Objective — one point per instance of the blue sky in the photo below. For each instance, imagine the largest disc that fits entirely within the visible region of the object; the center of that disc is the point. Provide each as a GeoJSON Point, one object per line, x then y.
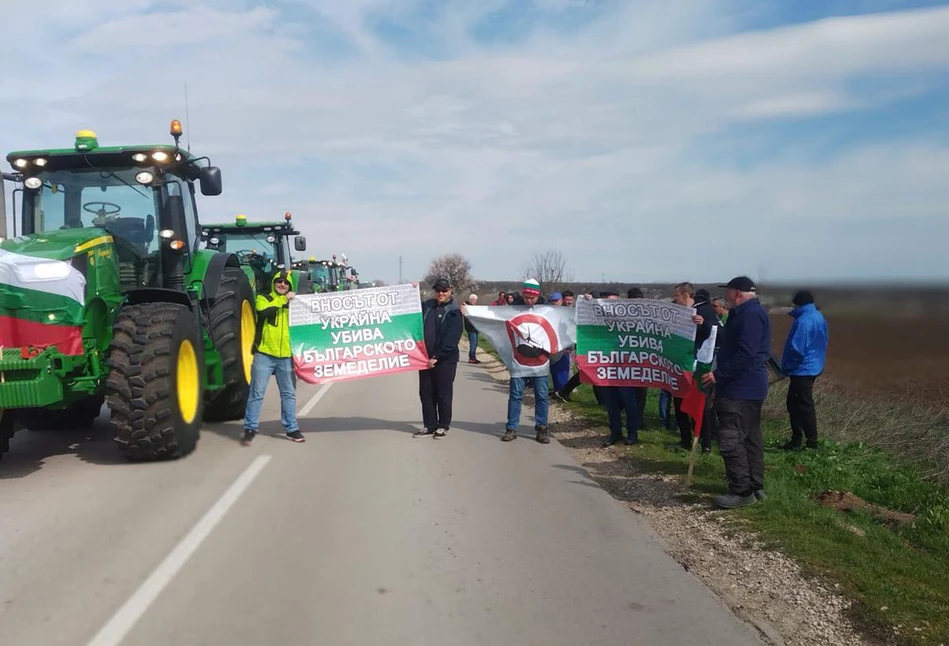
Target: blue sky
{"type": "Point", "coordinates": [647, 141]}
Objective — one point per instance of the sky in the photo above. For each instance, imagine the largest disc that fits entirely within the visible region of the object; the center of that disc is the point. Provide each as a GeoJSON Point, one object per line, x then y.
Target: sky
{"type": "Point", "coordinates": [803, 141]}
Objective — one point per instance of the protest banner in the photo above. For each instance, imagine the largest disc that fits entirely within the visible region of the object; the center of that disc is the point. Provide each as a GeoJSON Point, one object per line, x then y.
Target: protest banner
{"type": "Point", "coordinates": [340, 336]}
{"type": "Point", "coordinates": [636, 342]}
{"type": "Point", "coordinates": [527, 339]}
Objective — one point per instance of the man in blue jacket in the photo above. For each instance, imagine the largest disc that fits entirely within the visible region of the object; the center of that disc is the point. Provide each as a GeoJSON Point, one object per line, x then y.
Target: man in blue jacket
{"type": "Point", "coordinates": [442, 323]}
{"type": "Point", "coordinates": [741, 386]}
{"type": "Point", "coordinates": [805, 353]}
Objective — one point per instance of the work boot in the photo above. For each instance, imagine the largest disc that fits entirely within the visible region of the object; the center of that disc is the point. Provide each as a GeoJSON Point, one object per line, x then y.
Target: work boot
{"type": "Point", "coordinates": [249, 436]}
{"type": "Point", "coordinates": [731, 501]}
{"type": "Point", "coordinates": [542, 435]}
{"type": "Point", "coordinates": [761, 495]}
{"type": "Point", "coordinates": [509, 435]}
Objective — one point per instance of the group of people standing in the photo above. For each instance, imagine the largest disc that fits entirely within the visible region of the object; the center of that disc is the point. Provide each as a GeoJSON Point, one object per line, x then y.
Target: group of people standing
{"type": "Point", "coordinates": [736, 387]}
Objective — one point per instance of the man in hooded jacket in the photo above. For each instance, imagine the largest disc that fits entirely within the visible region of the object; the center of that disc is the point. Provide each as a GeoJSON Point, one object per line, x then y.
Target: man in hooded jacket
{"type": "Point", "coordinates": [443, 323]}
{"type": "Point", "coordinates": [805, 352]}
{"type": "Point", "coordinates": [272, 356]}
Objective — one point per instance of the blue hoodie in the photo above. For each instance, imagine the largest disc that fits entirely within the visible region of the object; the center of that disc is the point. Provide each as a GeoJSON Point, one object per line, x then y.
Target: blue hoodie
{"type": "Point", "coordinates": [805, 350]}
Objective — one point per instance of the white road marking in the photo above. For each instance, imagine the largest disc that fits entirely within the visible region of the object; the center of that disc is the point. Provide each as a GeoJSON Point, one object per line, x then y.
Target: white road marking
{"type": "Point", "coordinates": [307, 407]}
{"type": "Point", "coordinates": [124, 619]}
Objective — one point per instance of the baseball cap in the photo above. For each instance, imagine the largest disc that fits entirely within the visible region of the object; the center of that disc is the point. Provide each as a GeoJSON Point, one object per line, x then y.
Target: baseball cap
{"type": "Point", "coordinates": [441, 285]}
{"type": "Point", "coordinates": [556, 296]}
{"type": "Point", "coordinates": [741, 283]}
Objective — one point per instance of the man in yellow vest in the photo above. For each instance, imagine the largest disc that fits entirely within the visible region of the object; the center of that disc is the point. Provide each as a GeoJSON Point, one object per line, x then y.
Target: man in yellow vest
{"type": "Point", "coordinates": [272, 356]}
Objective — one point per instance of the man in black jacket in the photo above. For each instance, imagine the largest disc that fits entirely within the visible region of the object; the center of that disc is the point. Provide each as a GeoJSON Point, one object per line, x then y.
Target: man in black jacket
{"type": "Point", "coordinates": [443, 325]}
{"type": "Point", "coordinates": [741, 385]}
{"type": "Point", "coordinates": [705, 319]}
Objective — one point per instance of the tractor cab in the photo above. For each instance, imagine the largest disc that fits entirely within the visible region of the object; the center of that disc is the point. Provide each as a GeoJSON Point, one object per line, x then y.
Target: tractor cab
{"type": "Point", "coordinates": [263, 248]}
{"type": "Point", "coordinates": [326, 275]}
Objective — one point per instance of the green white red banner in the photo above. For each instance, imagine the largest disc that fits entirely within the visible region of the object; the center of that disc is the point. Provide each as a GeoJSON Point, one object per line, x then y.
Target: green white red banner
{"type": "Point", "coordinates": [340, 336]}
{"type": "Point", "coordinates": [636, 342]}
{"type": "Point", "coordinates": [41, 303]}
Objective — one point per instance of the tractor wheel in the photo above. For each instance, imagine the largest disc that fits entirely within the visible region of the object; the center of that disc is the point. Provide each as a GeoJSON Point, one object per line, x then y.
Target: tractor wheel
{"type": "Point", "coordinates": [156, 360]}
{"type": "Point", "coordinates": [233, 326]}
{"type": "Point", "coordinates": [7, 428]}
{"type": "Point", "coordinates": [79, 416]}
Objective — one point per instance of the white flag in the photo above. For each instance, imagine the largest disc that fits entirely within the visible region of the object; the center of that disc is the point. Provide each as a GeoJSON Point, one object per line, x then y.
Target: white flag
{"type": "Point", "coordinates": [526, 338]}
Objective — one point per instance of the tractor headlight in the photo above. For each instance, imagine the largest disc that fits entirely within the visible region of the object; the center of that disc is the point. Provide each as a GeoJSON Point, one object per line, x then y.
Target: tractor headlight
{"type": "Point", "coordinates": [160, 156]}
{"type": "Point", "coordinates": [139, 157]}
{"type": "Point", "coordinates": [214, 242]}
{"type": "Point", "coordinates": [144, 177]}
{"type": "Point", "coordinates": [33, 182]}
{"type": "Point", "coordinates": [44, 271]}
{"type": "Point", "coordinates": [166, 234]}
{"type": "Point", "coordinates": [39, 161]}
{"type": "Point", "coordinates": [271, 239]}
{"type": "Point", "coordinates": [21, 163]}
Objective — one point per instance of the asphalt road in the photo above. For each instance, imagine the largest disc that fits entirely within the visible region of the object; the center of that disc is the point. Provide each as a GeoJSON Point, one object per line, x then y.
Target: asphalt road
{"type": "Point", "coordinates": [362, 535]}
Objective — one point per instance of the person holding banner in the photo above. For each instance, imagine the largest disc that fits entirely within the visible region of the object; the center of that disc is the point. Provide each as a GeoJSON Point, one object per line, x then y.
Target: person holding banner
{"type": "Point", "coordinates": [272, 356]}
{"type": "Point", "coordinates": [443, 325]}
{"type": "Point", "coordinates": [530, 293]}
{"type": "Point", "coordinates": [705, 319]}
{"type": "Point", "coordinates": [741, 385]}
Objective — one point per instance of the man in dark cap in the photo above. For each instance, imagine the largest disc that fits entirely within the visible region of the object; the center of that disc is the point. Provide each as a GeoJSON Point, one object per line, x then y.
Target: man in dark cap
{"type": "Point", "coordinates": [741, 386]}
{"type": "Point", "coordinates": [805, 352]}
{"type": "Point", "coordinates": [443, 325]}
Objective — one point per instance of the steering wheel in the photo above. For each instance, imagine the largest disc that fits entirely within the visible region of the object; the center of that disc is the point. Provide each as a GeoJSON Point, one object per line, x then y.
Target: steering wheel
{"type": "Point", "coordinates": [244, 255]}
{"type": "Point", "coordinates": [102, 214]}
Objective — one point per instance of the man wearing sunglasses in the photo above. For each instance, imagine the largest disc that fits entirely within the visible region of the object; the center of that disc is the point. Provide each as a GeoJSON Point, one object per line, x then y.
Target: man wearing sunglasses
{"type": "Point", "coordinates": [443, 325]}
{"type": "Point", "coordinates": [272, 356]}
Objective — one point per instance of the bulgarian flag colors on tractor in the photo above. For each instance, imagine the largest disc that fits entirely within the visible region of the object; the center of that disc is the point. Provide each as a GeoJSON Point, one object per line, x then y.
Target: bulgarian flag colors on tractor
{"type": "Point", "coordinates": [41, 303]}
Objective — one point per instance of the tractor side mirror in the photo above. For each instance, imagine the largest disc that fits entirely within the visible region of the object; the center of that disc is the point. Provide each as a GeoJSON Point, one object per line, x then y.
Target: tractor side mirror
{"type": "Point", "coordinates": [211, 182]}
{"type": "Point", "coordinates": [299, 243]}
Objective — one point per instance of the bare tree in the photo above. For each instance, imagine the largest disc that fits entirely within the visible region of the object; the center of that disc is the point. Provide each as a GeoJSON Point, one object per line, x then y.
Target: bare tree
{"type": "Point", "coordinates": [549, 268]}
{"type": "Point", "coordinates": [456, 269]}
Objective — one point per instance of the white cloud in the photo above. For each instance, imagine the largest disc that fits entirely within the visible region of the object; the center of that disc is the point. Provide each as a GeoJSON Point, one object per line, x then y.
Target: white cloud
{"type": "Point", "coordinates": [614, 143]}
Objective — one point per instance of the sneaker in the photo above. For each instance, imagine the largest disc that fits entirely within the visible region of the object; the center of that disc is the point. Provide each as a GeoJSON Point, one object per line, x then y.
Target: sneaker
{"type": "Point", "coordinates": [509, 435]}
{"type": "Point", "coordinates": [440, 432]}
{"type": "Point", "coordinates": [249, 436]}
{"type": "Point", "coordinates": [542, 435]}
{"type": "Point", "coordinates": [296, 436]}
{"type": "Point", "coordinates": [732, 501]}
{"type": "Point", "coordinates": [562, 396]}
{"type": "Point", "coordinates": [761, 495]}
{"type": "Point", "coordinates": [423, 432]}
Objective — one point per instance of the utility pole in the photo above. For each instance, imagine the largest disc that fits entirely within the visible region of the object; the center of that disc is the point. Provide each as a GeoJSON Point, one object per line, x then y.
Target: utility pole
{"type": "Point", "coordinates": [400, 270]}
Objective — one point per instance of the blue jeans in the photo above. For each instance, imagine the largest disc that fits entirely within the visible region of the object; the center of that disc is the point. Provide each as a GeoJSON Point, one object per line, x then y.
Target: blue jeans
{"type": "Point", "coordinates": [516, 395]}
{"type": "Point", "coordinates": [618, 399]}
{"type": "Point", "coordinates": [260, 371]}
{"type": "Point", "coordinates": [473, 342]}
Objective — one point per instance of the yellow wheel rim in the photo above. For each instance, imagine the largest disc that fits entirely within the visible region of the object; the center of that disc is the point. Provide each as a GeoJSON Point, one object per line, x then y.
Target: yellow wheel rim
{"type": "Point", "coordinates": [247, 337]}
{"type": "Point", "coordinates": [188, 382]}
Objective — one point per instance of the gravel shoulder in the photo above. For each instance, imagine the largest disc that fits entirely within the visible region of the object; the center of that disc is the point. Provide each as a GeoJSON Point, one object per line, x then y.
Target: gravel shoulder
{"type": "Point", "coordinates": [761, 586]}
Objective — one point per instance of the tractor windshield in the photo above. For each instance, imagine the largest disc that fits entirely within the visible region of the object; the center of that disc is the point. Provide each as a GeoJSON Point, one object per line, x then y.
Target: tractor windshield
{"type": "Point", "coordinates": [320, 275]}
{"type": "Point", "coordinates": [246, 244]}
{"type": "Point", "coordinates": [110, 199]}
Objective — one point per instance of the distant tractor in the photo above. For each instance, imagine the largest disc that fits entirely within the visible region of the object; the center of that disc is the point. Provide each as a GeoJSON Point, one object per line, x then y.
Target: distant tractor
{"type": "Point", "coordinates": [263, 248]}
{"type": "Point", "coordinates": [325, 275]}
{"type": "Point", "coordinates": [105, 296]}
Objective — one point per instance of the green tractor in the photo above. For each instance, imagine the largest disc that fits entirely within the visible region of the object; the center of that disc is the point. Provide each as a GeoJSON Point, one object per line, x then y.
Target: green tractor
{"type": "Point", "coordinates": [106, 297]}
{"type": "Point", "coordinates": [263, 248]}
{"type": "Point", "coordinates": [323, 275]}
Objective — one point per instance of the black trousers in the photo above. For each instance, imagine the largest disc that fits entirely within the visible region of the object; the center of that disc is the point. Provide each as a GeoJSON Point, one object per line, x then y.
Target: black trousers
{"type": "Point", "coordinates": [741, 444]}
{"type": "Point", "coordinates": [801, 410]}
{"type": "Point", "coordinates": [573, 384]}
{"type": "Point", "coordinates": [641, 405]}
{"type": "Point", "coordinates": [436, 389]}
{"type": "Point", "coordinates": [685, 423]}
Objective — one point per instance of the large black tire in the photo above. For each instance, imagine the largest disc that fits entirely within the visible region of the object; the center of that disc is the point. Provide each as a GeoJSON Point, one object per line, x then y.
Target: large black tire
{"type": "Point", "coordinates": [7, 428]}
{"type": "Point", "coordinates": [154, 389]}
{"type": "Point", "coordinates": [233, 325]}
{"type": "Point", "coordinates": [79, 416]}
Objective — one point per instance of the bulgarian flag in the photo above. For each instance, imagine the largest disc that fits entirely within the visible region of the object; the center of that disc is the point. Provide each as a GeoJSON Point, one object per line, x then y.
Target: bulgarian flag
{"type": "Point", "coordinates": [41, 304]}
{"type": "Point", "coordinates": [693, 404]}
